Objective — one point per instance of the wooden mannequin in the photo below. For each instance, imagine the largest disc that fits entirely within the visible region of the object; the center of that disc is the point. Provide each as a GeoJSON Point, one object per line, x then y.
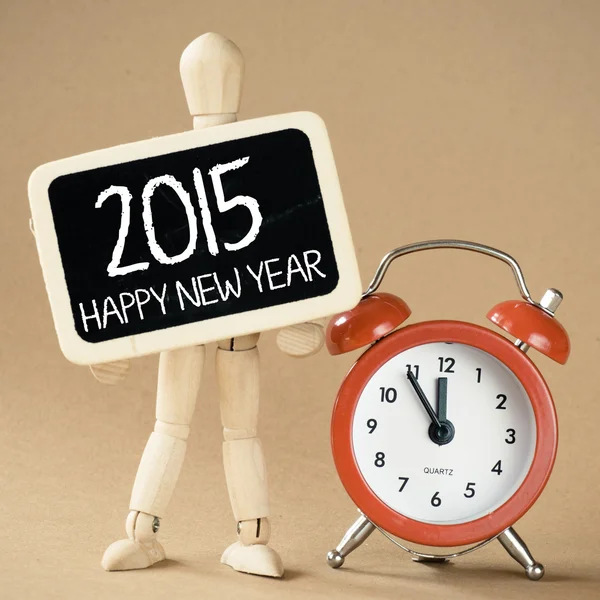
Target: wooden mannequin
{"type": "Point", "coordinates": [211, 70]}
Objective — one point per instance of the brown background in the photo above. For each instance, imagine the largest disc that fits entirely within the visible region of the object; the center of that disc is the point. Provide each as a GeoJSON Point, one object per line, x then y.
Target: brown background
{"type": "Point", "coordinates": [476, 120]}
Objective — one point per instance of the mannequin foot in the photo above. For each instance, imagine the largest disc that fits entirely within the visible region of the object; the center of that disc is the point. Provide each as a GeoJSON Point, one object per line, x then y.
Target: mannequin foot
{"type": "Point", "coordinates": [125, 555]}
{"type": "Point", "coordinates": [257, 559]}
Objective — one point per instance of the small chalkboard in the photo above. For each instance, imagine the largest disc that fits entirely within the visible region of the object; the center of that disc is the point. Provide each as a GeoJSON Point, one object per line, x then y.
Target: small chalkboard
{"type": "Point", "coordinates": [193, 237]}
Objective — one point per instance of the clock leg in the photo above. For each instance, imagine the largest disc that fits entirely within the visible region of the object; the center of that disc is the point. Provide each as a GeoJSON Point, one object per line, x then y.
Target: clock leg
{"type": "Point", "coordinates": [517, 548]}
{"type": "Point", "coordinates": [430, 559]}
{"type": "Point", "coordinates": [355, 536]}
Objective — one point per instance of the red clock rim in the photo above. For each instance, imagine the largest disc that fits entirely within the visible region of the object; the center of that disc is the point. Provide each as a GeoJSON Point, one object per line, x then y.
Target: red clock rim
{"type": "Point", "coordinates": [426, 533]}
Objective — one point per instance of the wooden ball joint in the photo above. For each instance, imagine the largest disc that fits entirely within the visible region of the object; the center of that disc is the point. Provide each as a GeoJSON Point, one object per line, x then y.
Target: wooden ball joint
{"type": "Point", "coordinates": [384, 413]}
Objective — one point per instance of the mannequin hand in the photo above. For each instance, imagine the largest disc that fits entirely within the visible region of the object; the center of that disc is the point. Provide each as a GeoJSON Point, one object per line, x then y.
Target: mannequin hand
{"type": "Point", "coordinates": [111, 373]}
{"type": "Point", "coordinates": [303, 339]}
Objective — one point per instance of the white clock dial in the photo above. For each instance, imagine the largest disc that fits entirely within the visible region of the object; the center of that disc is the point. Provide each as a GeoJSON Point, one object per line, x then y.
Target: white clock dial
{"type": "Point", "coordinates": [470, 476]}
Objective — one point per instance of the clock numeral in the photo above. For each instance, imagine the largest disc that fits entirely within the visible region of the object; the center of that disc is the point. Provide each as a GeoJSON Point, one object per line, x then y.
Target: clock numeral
{"type": "Point", "coordinates": [478, 369]}
{"type": "Point", "coordinates": [436, 500]}
{"type": "Point", "coordinates": [404, 481]}
{"type": "Point", "coordinates": [511, 436]}
{"type": "Point", "coordinates": [388, 394]}
{"type": "Point", "coordinates": [497, 468]}
{"type": "Point", "coordinates": [414, 369]}
{"type": "Point", "coordinates": [372, 425]}
{"type": "Point", "coordinates": [449, 362]}
{"type": "Point", "coordinates": [502, 399]}
{"type": "Point", "coordinates": [379, 459]}
{"type": "Point", "coordinates": [470, 491]}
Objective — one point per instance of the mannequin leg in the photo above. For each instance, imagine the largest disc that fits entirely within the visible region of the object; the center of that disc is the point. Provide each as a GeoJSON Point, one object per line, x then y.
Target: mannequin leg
{"type": "Point", "coordinates": [245, 472]}
{"type": "Point", "coordinates": [179, 375]}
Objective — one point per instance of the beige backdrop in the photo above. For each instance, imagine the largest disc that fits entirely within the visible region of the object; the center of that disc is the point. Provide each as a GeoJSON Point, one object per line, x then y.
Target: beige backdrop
{"type": "Point", "coordinates": [476, 120]}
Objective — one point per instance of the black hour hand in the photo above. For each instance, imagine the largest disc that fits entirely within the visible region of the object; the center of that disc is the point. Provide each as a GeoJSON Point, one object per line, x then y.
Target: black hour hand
{"type": "Point", "coordinates": [443, 434]}
{"type": "Point", "coordinates": [442, 398]}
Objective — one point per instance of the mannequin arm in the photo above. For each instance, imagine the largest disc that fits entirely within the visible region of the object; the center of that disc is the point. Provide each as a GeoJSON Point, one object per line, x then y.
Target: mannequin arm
{"type": "Point", "coordinates": [303, 339]}
{"type": "Point", "coordinates": [111, 373]}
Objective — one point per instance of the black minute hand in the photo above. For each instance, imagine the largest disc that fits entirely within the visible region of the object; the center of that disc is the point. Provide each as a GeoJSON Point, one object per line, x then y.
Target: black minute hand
{"type": "Point", "coordinates": [423, 399]}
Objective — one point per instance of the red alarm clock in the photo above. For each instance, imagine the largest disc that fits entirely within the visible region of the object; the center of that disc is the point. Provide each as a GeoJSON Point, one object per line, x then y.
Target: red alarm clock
{"type": "Point", "coordinates": [444, 433]}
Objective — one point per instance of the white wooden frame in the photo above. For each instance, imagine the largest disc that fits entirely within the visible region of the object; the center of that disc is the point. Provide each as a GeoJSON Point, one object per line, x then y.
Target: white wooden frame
{"type": "Point", "coordinates": [346, 294]}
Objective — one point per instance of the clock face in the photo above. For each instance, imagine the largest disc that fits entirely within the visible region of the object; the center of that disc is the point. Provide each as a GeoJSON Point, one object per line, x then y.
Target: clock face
{"type": "Point", "coordinates": [465, 467]}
